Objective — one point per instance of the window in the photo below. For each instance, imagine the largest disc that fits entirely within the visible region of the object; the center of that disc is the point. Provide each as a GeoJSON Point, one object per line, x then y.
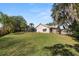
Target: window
{"type": "Point", "coordinates": [44, 30]}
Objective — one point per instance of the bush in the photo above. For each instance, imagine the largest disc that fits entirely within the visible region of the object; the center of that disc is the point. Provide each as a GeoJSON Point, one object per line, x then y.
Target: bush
{"type": "Point", "coordinates": [76, 34]}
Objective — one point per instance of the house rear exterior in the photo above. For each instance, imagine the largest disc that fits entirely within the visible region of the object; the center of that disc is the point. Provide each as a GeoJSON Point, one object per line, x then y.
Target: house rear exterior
{"type": "Point", "coordinates": [46, 29]}
{"type": "Point", "coordinates": [49, 29]}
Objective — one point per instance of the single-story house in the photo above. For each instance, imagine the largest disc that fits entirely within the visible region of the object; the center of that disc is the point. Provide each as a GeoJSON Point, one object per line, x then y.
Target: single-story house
{"type": "Point", "coordinates": [48, 29]}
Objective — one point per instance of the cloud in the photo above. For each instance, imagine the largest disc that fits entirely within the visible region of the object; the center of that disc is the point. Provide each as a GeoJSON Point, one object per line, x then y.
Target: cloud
{"type": "Point", "coordinates": [39, 15]}
{"type": "Point", "coordinates": [42, 17]}
{"type": "Point", "coordinates": [44, 14]}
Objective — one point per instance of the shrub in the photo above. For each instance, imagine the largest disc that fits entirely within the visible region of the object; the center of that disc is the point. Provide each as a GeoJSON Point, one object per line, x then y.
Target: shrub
{"type": "Point", "coordinates": [76, 34]}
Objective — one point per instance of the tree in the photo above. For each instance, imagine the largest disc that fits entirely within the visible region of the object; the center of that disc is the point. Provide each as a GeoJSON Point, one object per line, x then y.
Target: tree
{"type": "Point", "coordinates": [64, 14]}
{"type": "Point", "coordinates": [12, 23]}
{"type": "Point", "coordinates": [75, 29]}
{"type": "Point", "coordinates": [31, 27]}
{"type": "Point", "coordinates": [50, 24]}
{"type": "Point", "coordinates": [19, 23]}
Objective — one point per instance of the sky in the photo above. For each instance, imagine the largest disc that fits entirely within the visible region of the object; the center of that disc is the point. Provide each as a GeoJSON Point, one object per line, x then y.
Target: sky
{"type": "Point", "coordinates": [33, 13]}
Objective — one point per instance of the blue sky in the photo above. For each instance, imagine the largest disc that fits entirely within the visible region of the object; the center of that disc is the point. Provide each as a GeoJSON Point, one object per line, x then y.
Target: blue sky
{"type": "Point", "coordinates": [33, 13]}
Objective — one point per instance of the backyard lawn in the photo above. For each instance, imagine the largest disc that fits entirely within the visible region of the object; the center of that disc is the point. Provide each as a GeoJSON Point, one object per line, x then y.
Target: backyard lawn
{"type": "Point", "coordinates": [38, 44]}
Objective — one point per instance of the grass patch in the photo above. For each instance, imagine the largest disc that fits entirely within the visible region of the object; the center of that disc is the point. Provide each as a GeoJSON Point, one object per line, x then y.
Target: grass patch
{"type": "Point", "coordinates": [37, 44]}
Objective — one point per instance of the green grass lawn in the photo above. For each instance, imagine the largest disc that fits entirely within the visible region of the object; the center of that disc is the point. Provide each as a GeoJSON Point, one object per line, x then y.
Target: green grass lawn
{"type": "Point", "coordinates": [38, 44]}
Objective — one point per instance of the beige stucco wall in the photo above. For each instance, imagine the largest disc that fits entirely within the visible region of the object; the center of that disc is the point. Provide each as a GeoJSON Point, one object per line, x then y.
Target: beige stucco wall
{"type": "Point", "coordinates": [54, 31]}
{"type": "Point", "coordinates": [40, 29]}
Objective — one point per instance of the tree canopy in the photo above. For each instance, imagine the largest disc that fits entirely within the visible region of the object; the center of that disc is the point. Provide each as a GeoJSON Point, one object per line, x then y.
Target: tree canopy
{"type": "Point", "coordinates": [12, 23]}
{"type": "Point", "coordinates": [65, 14]}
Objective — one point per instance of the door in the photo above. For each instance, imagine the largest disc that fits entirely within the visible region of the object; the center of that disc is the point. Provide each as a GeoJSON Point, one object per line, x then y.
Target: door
{"type": "Point", "coordinates": [50, 30]}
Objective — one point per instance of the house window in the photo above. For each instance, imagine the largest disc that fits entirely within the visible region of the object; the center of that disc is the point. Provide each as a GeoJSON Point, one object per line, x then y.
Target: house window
{"type": "Point", "coordinates": [44, 30]}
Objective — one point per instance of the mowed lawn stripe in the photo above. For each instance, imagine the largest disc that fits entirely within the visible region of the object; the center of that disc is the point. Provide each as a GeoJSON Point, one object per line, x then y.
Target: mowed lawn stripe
{"type": "Point", "coordinates": [30, 43]}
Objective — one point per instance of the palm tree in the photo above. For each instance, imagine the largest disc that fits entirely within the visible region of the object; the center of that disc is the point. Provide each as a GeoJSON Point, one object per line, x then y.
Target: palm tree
{"type": "Point", "coordinates": [31, 25]}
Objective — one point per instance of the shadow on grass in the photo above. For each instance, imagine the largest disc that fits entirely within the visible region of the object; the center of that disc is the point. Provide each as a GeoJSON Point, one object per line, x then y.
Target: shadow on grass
{"type": "Point", "coordinates": [76, 38]}
{"type": "Point", "coordinates": [59, 49]}
{"type": "Point", "coordinates": [76, 47]}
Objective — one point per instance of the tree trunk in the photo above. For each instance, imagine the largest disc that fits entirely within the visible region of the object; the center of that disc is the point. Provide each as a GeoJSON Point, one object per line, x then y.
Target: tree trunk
{"type": "Point", "coordinates": [59, 30]}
